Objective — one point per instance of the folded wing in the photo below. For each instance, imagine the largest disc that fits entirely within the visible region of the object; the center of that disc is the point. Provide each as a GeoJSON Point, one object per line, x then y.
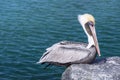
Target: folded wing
{"type": "Point", "coordinates": [67, 52]}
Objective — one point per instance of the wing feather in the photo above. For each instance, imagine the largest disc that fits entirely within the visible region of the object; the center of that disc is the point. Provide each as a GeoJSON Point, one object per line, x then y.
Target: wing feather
{"type": "Point", "coordinates": [65, 52]}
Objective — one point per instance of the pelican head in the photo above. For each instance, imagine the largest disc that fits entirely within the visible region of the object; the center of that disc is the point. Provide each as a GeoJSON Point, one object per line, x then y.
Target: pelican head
{"type": "Point", "coordinates": [88, 23]}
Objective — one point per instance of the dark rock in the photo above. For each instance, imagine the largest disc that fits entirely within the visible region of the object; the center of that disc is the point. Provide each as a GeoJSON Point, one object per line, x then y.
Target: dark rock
{"type": "Point", "coordinates": [105, 69]}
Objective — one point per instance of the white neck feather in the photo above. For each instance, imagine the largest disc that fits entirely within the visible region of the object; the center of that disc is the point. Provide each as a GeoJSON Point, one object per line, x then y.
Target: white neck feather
{"type": "Point", "coordinates": [90, 38]}
{"type": "Point", "coordinates": [90, 41]}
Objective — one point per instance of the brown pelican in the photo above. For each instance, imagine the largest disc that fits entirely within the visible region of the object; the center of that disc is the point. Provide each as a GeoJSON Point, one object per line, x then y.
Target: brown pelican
{"type": "Point", "coordinates": [67, 52]}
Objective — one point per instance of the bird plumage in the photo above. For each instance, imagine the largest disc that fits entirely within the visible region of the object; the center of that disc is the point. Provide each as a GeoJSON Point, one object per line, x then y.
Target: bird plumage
{"type": "Point", "coordinates": [67, 52]}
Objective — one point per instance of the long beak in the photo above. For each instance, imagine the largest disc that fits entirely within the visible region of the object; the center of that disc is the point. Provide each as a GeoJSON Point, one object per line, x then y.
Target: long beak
{"type": "Point", "coordinates": [95, 39]}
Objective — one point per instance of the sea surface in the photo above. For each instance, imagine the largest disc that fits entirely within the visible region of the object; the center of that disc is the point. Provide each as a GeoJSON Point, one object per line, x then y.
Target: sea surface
{"type": "Point", "coordinates": [28, 27]}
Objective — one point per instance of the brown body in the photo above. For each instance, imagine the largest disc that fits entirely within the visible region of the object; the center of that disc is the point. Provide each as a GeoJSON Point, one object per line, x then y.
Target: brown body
{"type": "Point", "coordinates": [66, 53]}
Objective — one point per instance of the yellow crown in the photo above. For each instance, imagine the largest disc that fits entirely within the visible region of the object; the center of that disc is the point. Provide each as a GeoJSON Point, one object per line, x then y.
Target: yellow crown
{"type": "Point", "coordinates": [89, 17]}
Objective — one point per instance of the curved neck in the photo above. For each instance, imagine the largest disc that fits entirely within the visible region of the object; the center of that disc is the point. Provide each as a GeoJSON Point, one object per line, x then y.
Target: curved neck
{"type": "Point", "coordinates": [90, 41]}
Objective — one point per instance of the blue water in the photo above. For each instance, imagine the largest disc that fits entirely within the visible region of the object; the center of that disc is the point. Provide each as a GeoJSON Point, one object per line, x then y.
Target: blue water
{"type": "Point", "coordinates": [28, 27]}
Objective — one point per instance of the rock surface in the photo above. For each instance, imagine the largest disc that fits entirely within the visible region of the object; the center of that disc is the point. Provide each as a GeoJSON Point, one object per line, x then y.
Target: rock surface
{"type": "Point", "coordinates": [105, 69]}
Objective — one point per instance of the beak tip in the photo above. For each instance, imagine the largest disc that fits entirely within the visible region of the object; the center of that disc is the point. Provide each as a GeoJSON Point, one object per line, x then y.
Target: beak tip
{"type": "Point", "coordinates": [99, 55]}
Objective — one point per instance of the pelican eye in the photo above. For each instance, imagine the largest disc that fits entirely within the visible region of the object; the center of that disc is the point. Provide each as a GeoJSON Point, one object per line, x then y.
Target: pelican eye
{"type": "Point", "coordinates": [90, 23]}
